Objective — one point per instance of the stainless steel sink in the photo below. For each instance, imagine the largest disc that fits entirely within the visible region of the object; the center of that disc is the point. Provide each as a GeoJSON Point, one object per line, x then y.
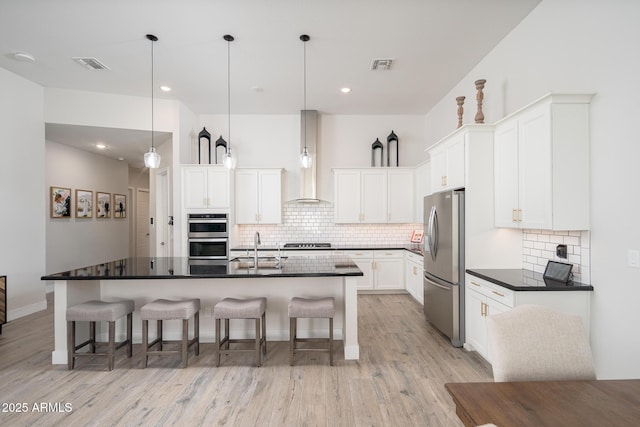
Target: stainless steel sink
{"type": "Point", "coordinates": [263, 262]}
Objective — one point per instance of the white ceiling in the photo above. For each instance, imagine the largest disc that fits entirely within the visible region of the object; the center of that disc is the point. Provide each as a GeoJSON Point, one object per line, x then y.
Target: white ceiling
{"type": "Point", "coordinates": [434, 44]}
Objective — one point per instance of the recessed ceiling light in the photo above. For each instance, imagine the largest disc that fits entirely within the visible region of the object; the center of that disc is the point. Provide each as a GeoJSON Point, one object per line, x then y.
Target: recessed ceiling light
{"type": "Point", "coordinates": [121, 158]}
{"type": "Point", "coordinates": [101, 146]}
{"type": "Point", "coordinates": [165, 88]}
{"type": "Point", "coordinates": [23, 57]}
{"type": "Point", "coordinates": [345, 90]}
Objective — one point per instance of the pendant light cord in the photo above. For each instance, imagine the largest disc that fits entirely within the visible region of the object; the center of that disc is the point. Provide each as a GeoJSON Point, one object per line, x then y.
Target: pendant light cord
{"type": "Point", "coordinates": [152, 42]}
{"type": "Point", "coordinates": [229, 89]}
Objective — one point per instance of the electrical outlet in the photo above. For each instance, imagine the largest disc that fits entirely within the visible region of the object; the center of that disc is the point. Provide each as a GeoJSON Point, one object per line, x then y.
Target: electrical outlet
{"type": "Point", "coordinates": [633, 258]}
{"type": "Point", "coordinates": [561, 251]}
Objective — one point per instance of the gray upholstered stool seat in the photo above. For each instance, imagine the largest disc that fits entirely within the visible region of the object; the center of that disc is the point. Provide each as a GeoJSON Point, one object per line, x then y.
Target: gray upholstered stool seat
{"type": "Point", "coordinates": [98, 311]}
{"type": "Point", "coordinates": [162, 309]}
{"type": "Point", "coordinates": [233, 308]}
{"type": "Point", "coordinates": [310, 308]}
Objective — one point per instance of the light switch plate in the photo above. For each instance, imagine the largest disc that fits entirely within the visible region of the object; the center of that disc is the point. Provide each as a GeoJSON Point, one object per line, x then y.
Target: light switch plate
{"type": "Point", "coordinates": [634, 258]}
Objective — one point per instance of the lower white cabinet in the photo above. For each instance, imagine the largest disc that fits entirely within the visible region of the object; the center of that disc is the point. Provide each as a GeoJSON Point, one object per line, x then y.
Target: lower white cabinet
{"type": "Point", "coordinates": [483, 298]}
{"type": "Point", "coordinates": [383, 269]}
{"type": "Point", "coordinates": [413, 275]}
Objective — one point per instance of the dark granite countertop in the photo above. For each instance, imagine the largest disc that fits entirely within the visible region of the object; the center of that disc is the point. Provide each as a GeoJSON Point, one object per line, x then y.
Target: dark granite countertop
{"type": "Point", "coordinates": [184, 268]}
{"type": "Point", "coordinates": [525, 280]}
{"type": "Point", "coordinates": [414, 248]}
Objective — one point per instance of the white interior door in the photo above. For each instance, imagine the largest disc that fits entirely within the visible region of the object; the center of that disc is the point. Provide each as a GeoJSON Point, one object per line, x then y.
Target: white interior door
{"type": "Point", "coordinates": [142, 223]}
{"type": "Point", "coordinates": [162, 214]}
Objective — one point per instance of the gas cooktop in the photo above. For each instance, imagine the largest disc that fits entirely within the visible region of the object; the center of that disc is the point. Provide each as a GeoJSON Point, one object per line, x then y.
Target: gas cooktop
{"type": "Point", "coordinates": [307, 245]}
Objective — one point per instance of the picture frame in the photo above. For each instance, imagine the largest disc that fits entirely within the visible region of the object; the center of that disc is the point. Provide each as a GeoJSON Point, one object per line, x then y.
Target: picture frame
{"type": "Point", "coordinates": [119, 206]}
{"type": "Point", "coordinates": [60, 202]}
{"type": "Point", "coordinates": [84, 204]}
{"type": "Point", "coordinates": [103, 205]}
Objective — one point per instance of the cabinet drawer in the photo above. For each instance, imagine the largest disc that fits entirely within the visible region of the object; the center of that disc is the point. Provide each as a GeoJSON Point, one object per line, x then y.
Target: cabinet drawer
{"type": "Point", "coordinates": [411, 257]}
{"type": "Point", "coordinates": [388, 254]}
{"type": "Point", "coordinates": [359, 254]}
{"type": "Point", "coordinates": [491, 290]}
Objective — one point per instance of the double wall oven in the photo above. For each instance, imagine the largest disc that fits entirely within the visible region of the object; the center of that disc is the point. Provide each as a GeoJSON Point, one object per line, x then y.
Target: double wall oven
{"type": "Point", "coordinates": [208, 235]}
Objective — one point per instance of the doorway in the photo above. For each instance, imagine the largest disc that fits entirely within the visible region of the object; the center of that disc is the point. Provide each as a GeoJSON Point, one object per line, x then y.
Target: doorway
{"type": "Point", "coordinates": [142, 223]}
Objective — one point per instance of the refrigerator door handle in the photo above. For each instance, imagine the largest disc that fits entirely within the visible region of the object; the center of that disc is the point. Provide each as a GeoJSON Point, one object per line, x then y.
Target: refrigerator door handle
{"type": "Point", "coordinates": [432, 232]}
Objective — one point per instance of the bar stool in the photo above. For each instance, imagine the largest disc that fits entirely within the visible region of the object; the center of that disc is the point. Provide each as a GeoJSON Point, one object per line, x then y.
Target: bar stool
{"type": "Point", "coordinates": [232, 308]}
{"type": "Point", "coordinates": [98, 311]}
{"type": "Point", "coordinates": [310, 308]}
{"type": "Point", "coordinates": [162, 309]}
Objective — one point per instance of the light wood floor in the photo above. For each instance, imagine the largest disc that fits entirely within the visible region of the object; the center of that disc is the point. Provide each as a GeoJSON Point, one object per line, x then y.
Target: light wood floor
{"type": "Point", "coordinates": [398, 381]}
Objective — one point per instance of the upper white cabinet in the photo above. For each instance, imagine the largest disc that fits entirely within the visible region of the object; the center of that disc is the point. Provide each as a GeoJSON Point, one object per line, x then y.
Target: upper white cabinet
{"type": "Point", "coordinates": [258, 196]}
{"type": "Point", "coordinates": [400, 195]}
{"type": "Point", "coordinates": [205, 187]}
{"type": "Point", "coordinates": [373, 195]}
{"type": "Point", "coordinates": [447, 163]}
{"type": "Point", "coordinates": [542, 165]}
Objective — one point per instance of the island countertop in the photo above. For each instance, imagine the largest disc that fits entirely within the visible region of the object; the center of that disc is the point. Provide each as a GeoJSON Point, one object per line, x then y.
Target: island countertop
{"type": "Point", "coordinates": [184, 268]}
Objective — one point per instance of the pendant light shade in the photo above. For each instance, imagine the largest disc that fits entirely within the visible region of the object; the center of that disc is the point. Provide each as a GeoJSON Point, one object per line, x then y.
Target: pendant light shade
{"type": "Point", "coordinates": [152, 158]}
{"type": "Point", "coordinates": [306, 160]}
{"type": "Point", "coordinates": [229, 161]}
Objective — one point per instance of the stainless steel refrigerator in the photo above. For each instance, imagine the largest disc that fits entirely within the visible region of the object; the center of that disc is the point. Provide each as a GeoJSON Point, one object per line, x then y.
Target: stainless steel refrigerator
{"type": "Point", "coordinates": [444, 263]}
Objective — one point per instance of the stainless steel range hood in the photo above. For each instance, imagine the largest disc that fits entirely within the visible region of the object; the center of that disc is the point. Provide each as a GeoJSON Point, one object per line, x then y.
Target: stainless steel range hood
{"type": "Point", "coordinates": [308, 118]}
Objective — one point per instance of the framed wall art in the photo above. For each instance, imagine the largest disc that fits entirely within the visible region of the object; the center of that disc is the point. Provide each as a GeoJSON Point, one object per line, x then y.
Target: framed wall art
{"type": "Point", "coordinates": [103, 205]}
{"type": "Point", "coordinates": [119, 206]}
{"type": "Point", "coordinates": [60, 202]}
{"type": "Point", "coordinates": [84, 204]}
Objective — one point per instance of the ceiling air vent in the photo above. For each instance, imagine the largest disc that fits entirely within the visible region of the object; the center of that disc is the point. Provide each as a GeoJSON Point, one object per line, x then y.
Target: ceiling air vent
{"type": "Point", "coordinates": [90, 63]}
{"type": "Point", "coordinates": [381, 64]}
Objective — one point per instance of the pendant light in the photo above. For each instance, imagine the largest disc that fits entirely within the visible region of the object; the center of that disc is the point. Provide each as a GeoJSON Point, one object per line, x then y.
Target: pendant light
{"type": "Point", "coordinates": [229, 161]}
{"type": "Point", "coordinates": [305, 157]}
{"type": "Point", "coordinates": [152, 158]}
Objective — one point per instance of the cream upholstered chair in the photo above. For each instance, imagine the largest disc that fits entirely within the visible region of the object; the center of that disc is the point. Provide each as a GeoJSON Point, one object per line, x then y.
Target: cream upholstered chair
{"type": "Point", "coordinates": [535, 343]}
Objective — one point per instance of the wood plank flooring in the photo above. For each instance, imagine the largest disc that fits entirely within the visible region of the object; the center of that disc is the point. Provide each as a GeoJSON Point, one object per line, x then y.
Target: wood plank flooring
{"type": "Point", "coordinates": [398, 381]}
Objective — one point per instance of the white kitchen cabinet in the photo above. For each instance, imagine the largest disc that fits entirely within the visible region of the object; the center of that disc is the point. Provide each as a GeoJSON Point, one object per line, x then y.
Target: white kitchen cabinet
{"type": "Point", "coordinates": [388, 270]}
{"type": "Point", "coordinates": [360, 195]}
{"type": "Point", "coordinates": [364, 261]}
{"type": "Point", "coordinates": [205, 187]}
{"type": "Point", "coordinates": [542, 165]}
{"type": "Point", "coordinates": [400, 195]}
{"type": "Point", "coordinates": [258, 196]}
{"type": "Point", "coordinates": [447, 163]}
{"type": "Point", "coordinates": [373, 195]}
{"type": "Point", "coordinates": [483, 298]}
{"type": "Point", "coordinates": [413, 275]}
{"type": "Point", "coordinates": [383, 269]}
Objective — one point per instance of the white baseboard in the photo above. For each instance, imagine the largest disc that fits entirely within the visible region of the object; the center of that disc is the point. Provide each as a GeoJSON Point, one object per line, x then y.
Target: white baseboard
{"type": "Point", "coordinates": [26, 310]}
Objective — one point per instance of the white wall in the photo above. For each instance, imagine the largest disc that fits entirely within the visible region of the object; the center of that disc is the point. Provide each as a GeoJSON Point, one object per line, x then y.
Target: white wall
{"type": "Point", "coordinates": [343, 141]}
{"type": "Point", "coordinates": [581, 46]}
{"type": "Point", "coordinates": [22, 218]}
{"type": "Point", "coordinates": [78, 242]}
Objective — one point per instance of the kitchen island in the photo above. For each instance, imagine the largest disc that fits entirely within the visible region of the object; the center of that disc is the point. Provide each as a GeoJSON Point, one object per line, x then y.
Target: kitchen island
{"type": "Point", "coordinates": [146, 279]}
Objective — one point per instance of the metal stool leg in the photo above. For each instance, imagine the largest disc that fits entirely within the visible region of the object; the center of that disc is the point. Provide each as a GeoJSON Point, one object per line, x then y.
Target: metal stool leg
{"type": "Point", "coordinates": [258, 341]}
{"type": "Point", "coordinates": [264, 333]}
{"type": "Point", "coordinates": [196, 331]}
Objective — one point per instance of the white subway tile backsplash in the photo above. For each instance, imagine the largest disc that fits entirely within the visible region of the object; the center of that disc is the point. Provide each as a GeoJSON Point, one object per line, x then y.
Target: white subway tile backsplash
{"type": "Point", "coordinates": [539, 247]}
{"type": "Point", "coordinates": [315, 223]}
